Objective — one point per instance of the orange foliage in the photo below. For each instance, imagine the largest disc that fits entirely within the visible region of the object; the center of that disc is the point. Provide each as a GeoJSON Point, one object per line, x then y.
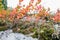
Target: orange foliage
{"type": "Point", "coordinates": [20, 0]}
{"type": "Point", "coordinates": [4, 12]}
{"type": "Point", "coordinates": [0, 15]}
{"type": "Point", "coordinates": [39, 1]}
{"type": "Point", "coordinates": [43, 13]}
{"type": "Point", "coordinates": [23, 11]}
{"type": "Point", "coordinates": [32, 1]}
{"type": "Point", "coordinates": [56, 17]}
{"type": "Point", "coordinates": [20, 16]}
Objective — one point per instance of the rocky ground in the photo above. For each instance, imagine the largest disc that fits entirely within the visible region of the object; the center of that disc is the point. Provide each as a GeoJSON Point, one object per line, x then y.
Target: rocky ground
{"type": "Point", "coordinates": [9, 35]}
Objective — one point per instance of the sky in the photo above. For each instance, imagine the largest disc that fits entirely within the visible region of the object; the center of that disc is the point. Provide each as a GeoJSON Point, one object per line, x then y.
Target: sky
{"type": "Point", "coordinates": [52, 4]}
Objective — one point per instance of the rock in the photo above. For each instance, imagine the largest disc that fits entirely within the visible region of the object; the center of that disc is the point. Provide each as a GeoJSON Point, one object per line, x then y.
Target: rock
{"type": "Point", "coordinates": [9, 35]}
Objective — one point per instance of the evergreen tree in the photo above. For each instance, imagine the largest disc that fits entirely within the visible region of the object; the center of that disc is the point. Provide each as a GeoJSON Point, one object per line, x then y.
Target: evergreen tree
{"type": "Point", "coordinates": [3, 4]}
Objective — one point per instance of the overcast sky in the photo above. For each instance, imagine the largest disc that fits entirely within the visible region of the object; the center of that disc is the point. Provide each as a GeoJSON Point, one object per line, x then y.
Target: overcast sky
{"type": "Point", "coordinates": [52, 4]}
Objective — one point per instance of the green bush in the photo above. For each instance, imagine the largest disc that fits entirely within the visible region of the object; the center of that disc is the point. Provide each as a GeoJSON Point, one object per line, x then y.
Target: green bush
{"type": "Point", "coordinates": [3, 28]}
